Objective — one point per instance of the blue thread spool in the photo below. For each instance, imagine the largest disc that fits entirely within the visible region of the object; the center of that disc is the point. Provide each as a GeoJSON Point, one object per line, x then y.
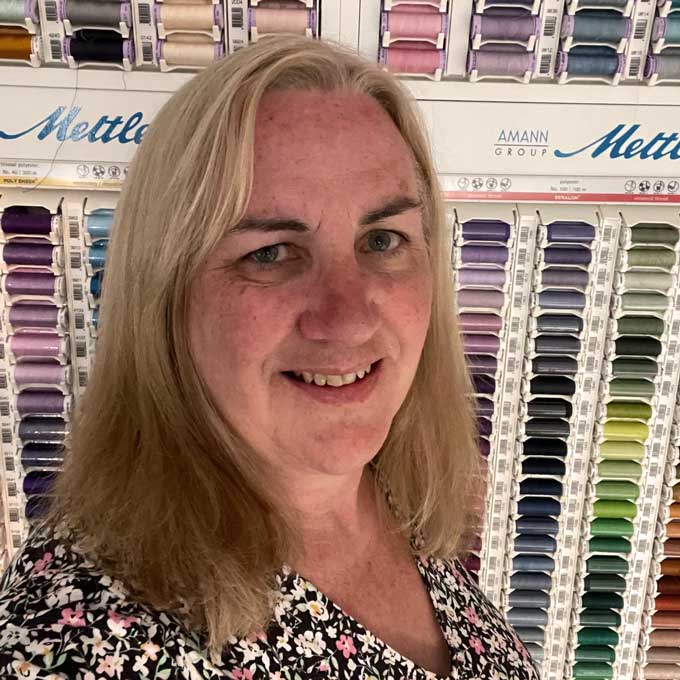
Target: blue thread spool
{"type": "Point", "coordinates": [668, 29]}
{"type": "Point", "coordinates": [589, 62]}
{"type": "Point", "coordinates": [665, 66]}
{"type": "Point", "coordinates": [99, 223]}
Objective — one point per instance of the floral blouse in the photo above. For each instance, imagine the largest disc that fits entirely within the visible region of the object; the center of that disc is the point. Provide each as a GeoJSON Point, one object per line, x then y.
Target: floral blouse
{"type": "Point", "coordinates": [61, 618]}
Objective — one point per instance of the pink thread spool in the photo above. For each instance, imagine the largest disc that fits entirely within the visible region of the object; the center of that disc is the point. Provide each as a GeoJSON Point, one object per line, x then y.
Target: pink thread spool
{"type": "Point", "coordinates": [428, 26]}
{"type": "Point", "coordinates": [267, 20]}
{"type": "Point", "coordinates": [43, 374]}
{"type": "Point", "coordinates": [30, 346]}
{"type": "Point", "coordinates": [412, 60]}
{"type": "Point", "coordinates": [189, 17]}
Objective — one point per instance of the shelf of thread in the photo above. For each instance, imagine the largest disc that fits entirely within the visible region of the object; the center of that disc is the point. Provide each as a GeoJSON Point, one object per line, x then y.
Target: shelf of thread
{"type": "Point", "coordinates": [89, 229]}
{"type": "Point", "coordinates": [562, 281]}
{"type": "Point", "coordinates": [663, 61]}
{"type": "Point", "coordinates": [182, 35]}
{"type": "Point", "coordinates": [261, 18]}
{"type": "Point", "coordinates": [35, 383]}
{"type": "Point", "coordinates": [413, 38]}
{"type": "Point", "coordinates": [481, 258]}
{"type": "Point", "coordinates": [659, 652]}
{"type": "Point", "coordinates": [627, 414]}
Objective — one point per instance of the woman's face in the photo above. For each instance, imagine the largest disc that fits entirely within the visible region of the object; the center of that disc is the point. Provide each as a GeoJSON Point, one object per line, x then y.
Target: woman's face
{"type": "Point", "coordinates": [327, 274]}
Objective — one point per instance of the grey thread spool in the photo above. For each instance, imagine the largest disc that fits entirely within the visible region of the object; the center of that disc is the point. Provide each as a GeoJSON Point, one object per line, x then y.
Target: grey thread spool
{"type": "Point", "coordinates": [16, 11]}
{"type": "Point", "coordinates": [595, 26]}
{"type": "Point", "coordinates": [666, 66]}
{"type": "Point", "coordinates": [90, 13]}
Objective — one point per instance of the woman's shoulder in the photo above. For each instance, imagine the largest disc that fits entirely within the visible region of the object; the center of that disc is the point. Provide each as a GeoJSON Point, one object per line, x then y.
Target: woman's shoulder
{"type": "Point", "coordinates": [475, 625]}
{"type": "Point", "coordinates": [62, 617]}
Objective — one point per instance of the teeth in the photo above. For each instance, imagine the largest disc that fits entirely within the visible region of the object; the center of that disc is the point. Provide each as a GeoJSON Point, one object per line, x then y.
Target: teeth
{"type": "Point", "coordinates": [332, 380]}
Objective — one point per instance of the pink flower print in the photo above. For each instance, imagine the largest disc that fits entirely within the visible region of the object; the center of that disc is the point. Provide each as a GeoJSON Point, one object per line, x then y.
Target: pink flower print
{"type": "Point", "coordinates": [470, 613]}
{"type": "Point", "coordinates": [346, 645]}
{"type": "Point", "coordinates": [477, 645]}
{"type": "Point", "coordinates": [72, 617]}
{"type": "Point", "coordinates": [123, 621]}
{"type": "Point", "coordinates": [242, 674]}
{"type": "Point", "coordinates": [424, 560]}
{"type": "Point", "coordinates": [42, 563]}
{"type": "Point", "coordinates": [324, 667]}
{"type": "Point", "coordinates": [111, 665]}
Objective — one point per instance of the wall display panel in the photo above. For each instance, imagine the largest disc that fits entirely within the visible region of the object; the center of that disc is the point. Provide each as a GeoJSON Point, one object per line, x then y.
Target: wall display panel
{"type": "Point", "coordinates": [567, 294]}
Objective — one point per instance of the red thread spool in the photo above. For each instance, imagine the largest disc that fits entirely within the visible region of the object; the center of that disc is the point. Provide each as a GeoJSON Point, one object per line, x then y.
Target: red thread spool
{"type": "Point", "coordinates": [412, 60]}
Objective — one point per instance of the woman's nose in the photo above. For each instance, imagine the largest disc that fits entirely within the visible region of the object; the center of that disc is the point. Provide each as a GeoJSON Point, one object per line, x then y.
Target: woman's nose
{"type": "Point", "coordinates": [340, 306]}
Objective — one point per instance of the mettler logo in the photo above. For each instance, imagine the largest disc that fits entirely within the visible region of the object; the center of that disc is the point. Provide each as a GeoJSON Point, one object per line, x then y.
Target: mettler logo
{"type": "Point", "coordinates": [521, 142]}
{"type": "Point", "coordinates": [65, 127]}
{"type": "Point", "coordinates": [621, 142]}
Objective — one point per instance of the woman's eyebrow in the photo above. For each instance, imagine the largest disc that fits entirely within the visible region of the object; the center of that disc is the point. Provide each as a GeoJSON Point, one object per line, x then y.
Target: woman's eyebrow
{"type": "Point", "coordinates": [393, 207]}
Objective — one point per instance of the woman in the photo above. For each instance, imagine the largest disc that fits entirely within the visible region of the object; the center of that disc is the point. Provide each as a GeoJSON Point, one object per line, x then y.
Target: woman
{"type": "Point", "coordinates": [271, 474]}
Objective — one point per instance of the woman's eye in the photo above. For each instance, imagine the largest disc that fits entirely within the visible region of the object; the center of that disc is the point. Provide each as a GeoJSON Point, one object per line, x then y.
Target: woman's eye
{"type": "Point", "coordinates": [381, 240]}
{"type": "Point", "coordinates": [266, 255]}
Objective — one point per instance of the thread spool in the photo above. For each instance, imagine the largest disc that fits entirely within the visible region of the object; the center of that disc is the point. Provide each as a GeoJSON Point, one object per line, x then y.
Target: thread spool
{"type": "Point", "coordinates": [43, 401]}
{"type": "Point", "coordinates": [16, 43]}
{"type": "Point", "coordinates": [404, 59]}
{"type": "Point", "coordinates": [189, 17]}
{"type": "Point", "coordinates": [38, 483]}
{"type": "Point", "coordinates": [194, 38]}
{"type": "Point", "coordinates": [96, 285]}
{"type": "Point", "coordinates": [503, 27]}
{"type": "Point", "coordinates": [30, 254]}
{"type": "Point", "coordinates": [104, 14]}
{"type": "Point", "coordinates": [99, 222]}
{"type": "Point", "coordinates": [501, 63]}
{"type": "Point", "coordinates": [90, 45]}
{"type": "Point", "coordinates": [17, 11]}
{"type": "Point", "coordinates": [50, 375]}
{"type": "Point", "coordinates": [36, 316]}
{"type": "Point", "coordinates": [667, 28]}
{"type": "Point", "coordinates": [41, 456]}
{"type": "Point", "coordinates": [596, 26]}
{"type": "Point", "coordinates": [619, 4]}
{"type": "Point", "coordinates": [295, 21]}
{"type": "Point", "coordinates": [414, 25]}
{"type": "Point", "coordinates": [589, 63]}
{"type": "Point", "coordinates": [37, 284]}
{"type": "Point", "coordinates": [22, 220]}
{"type": "Point", "coordinates": [666, 67]}
{"type": "Point", "coordinates": [48, 430]}
{"type": "Point", "coordinates": [38, 345]}
{"type": "Point", "coordinates": [187, 2]}
{"type": "Point", "coordinates": [189, 53]}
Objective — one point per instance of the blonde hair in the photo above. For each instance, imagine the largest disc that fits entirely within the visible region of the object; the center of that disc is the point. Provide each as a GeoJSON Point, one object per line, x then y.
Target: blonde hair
{"type": "Point", "coordinates": [166, 495]}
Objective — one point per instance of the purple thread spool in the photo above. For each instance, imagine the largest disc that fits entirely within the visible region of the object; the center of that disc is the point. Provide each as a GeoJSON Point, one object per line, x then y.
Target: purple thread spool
{"type": "Point", "coordinates": [501, 63]}
{"type": "Point", "coordinates": [41, 374]}
{"type": "Point", "coordinates": [38, 346]}
{"type": "Point", "coordinates": [491, 27]}
{"type": "Point", "coordinates": [36, 507]}
{"type": "Point", "coordinates": [488, 278]}
{"type": "Point", "coordinates": [481, 344]}
{"type": "Point", "coordinates": [481, 364]}
{"type": "Point", "coordinates": [480, 323]}
{"type": "Point", "coordinates": [30, 254]}
{"type": "Point", "coordinates": [26, 315]}
{"type": "Point", "coordinates": [30, 283]}
{"type": "Point", "coordinates": [484, 254]}
{"type": "Point", "coordinates": [27, 223]}
{"type": "Point", "coordinates": [42, 402]}
{"type": "Point", "coordinates": [480, 299]}
{"type": "Point", "coordinates": [38, 483]}
{"type": "Point", "coordinates": [47, 429]}
{"type": "Point", "coordinates": [486, 230]}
